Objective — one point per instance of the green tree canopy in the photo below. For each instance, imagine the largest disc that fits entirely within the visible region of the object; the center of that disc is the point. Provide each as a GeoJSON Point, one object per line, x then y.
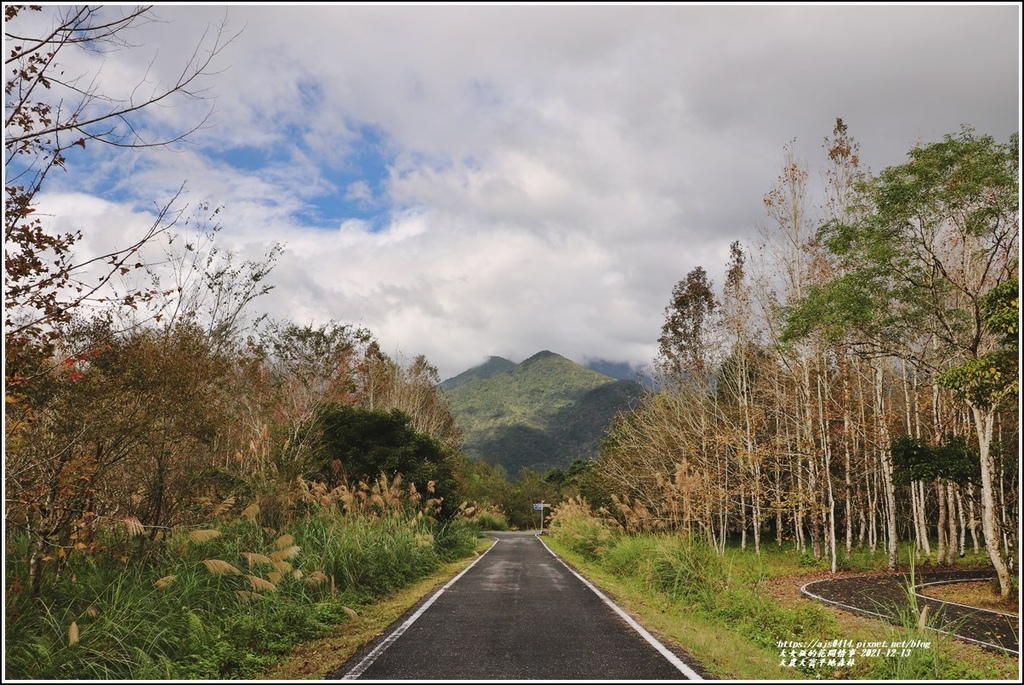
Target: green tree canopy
{"type": "Point", "coordinates": [363, 444]}
{"type": "Point", "coordinates": [682, 346]}
{"type": "Point", "coordinates": [954, 459]}
{"type": "Point", "coordinates": [942, 233]}
{"type": "Point", "coordinates": [993, 378]}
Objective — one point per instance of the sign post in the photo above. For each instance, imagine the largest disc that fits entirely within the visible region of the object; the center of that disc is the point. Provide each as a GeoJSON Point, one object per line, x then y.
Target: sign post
{"type": "Point", "coordinates": [539, 506]}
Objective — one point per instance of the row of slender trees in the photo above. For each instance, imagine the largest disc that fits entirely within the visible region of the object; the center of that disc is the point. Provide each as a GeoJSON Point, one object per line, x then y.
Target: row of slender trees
{"type": "Point", "coordinates": [855, 381]}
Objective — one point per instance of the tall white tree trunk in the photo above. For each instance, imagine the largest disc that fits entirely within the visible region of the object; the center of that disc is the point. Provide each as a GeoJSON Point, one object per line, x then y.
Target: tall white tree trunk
{"type": "Point", "coordinates": [983, 420]}
{"type": "Point", "coordinates": [922, 519]}
{"type": "Point", "coordinates": [943, 541]}
{"type": "Point", "coordinates": [886, 460]}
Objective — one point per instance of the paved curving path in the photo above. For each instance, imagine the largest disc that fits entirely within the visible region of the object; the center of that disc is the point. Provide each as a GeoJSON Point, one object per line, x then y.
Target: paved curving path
{"type": "Point", "coordinates": [517, 613]}
{"type": "Point", "coordinates": [886, 596]}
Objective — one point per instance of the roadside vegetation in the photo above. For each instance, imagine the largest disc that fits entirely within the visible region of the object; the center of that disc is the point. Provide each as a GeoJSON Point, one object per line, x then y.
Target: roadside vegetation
{"type": "Point", "coordinates": [730, 611]}
{"type": "Point", "coordinates": [229, 599]}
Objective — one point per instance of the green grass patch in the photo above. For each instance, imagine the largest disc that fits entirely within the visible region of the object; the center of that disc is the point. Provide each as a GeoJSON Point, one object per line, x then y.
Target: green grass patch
{"type": "Point", "coordinates": [215, 605]}
{"type": "Point", "coordinates": [488, 520]}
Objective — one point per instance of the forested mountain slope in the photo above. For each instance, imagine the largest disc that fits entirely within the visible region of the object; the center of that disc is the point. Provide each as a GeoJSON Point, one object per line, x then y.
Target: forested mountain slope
{"type": "Point", "coordinates": [545, 412]}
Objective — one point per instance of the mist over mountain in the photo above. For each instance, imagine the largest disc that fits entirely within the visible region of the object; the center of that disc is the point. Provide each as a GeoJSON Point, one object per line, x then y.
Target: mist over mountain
{"type": "Point", "coordinates": [619, 370]}
{"type": "Point", "coordinates": [541, 413]}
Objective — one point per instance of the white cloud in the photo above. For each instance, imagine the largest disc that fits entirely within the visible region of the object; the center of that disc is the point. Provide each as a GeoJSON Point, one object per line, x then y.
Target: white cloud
{"type": "Point", "coordinates": [359, 191]}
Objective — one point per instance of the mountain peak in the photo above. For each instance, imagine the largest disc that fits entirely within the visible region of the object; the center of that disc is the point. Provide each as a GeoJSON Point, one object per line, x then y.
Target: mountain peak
{"type": "Point", "coordinates": [490, 368]}
{"type": "Point", "coordinates": [543, 412]}
{"type": "Point", "coordinates": [543, 354]}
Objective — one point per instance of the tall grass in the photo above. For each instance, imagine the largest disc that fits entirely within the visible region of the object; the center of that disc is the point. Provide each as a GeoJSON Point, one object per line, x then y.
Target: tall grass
{"type": "Point", "coordinates": [489, 520]}
{"type": "Point", "coordinates": [581, 530]}
{"type": "Point", "coordinates": [225, 602]}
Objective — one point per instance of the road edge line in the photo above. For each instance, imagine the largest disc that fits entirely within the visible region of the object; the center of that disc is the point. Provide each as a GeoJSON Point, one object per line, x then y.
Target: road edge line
{"type": "Point", "coordinates": [368, 660]}
{"type": "Point", "coordinates": [665, 652]}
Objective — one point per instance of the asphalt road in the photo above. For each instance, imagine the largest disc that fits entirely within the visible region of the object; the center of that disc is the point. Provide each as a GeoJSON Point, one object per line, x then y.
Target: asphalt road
{"type": "Point", "coordinates": [518, 613]}
{"type": "Point", "coordinates": [886, 597]}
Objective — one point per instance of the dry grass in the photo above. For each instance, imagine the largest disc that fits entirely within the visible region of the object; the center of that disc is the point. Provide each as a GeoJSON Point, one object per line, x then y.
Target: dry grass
{"type": "Point", "coordinates": [318, 659]}
{"type": "Point", "coordinates": [205, 535]}
{"type": "Point", "coordinates": [978, 594]}
{"type": "Point", "coordinates": [254, 558]}
{"type": "Point", "coordinates": [261, 584]}
{"type": "Point", "coordinates": [219, 567]}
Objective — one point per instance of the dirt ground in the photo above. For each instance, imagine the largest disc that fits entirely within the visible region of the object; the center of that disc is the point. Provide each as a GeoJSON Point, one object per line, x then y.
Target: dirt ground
{"type": "Point", "coordinates": [977, 594]}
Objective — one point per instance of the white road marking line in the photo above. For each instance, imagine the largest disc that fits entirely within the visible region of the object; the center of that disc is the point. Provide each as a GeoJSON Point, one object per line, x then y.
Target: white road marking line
{"type": "Point", "coordinates": [673, 659]}
{"type": "Point", "coordinates": [387, 642]}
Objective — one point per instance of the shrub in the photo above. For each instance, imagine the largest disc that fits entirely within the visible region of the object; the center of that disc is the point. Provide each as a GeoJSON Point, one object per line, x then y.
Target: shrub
{"type": "Point", "coordinates": [490, 520]}
{"type": "Point", "coordinates": [577, 526]}
{"type": "Point", "coordinates": [455, 539]}
{"type": "Point", "coordinates": [629, 556]}
{"type": "Point", "coordinates": [688, 571]}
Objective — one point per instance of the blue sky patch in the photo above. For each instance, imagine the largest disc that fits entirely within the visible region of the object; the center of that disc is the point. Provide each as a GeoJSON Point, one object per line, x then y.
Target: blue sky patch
{"type": "Point", "coordinates": [359, 183]}
{"type": "Point", "coordinates": [355, 187]}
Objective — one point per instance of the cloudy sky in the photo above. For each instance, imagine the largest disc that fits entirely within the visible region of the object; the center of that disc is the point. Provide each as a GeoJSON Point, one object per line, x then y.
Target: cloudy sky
{"type": "Point", "coordinates": [467, 181]}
